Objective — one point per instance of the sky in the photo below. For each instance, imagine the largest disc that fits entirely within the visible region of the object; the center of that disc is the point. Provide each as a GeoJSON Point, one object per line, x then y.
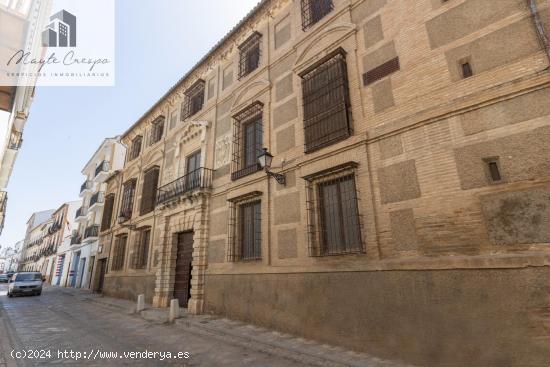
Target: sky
{"type": "Point", "coordinates": [157, 42]}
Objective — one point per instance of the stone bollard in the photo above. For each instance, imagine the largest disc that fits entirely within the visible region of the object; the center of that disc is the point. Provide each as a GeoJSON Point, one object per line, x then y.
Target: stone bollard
{"type": "Point", "coordinates": [140, 303]}
{"type": "Point", "coordinates": [174, 310]}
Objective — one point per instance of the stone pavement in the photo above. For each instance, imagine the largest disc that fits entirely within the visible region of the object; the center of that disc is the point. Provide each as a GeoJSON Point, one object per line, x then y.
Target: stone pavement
{"type": "Point", "coordinates": [68, 319]}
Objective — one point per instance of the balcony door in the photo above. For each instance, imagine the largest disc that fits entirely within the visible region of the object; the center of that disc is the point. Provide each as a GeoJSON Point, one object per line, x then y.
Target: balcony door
{"type": "Point", "coordinates": [192, 171]}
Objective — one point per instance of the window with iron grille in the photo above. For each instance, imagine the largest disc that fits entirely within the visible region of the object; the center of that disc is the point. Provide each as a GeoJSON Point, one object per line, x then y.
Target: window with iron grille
{"type": "Point", "coordinates": [141, 249]}
{"type": "Point", "coordinates": [334, 222]}
{"type": "Point", "coordinates": [128, 194]}
{"type": "Point", "coordinates": [249, 54]}
{"type": "Point", "coordinates": [107, 216]}
{"type": "Point", "coordinates": [135, 149]}
{"type": "Point", "coordinates": [314, 10]}
{"type": "Point", "coordinates": [194, 100]}
{"type": "Point", "coordinates": [247, 141]}
{"type": "Point", "coordinates": [119, 253]}
{"type": "Point", "coordinates": [327, 112]}
{"type": "Point", "coordinates": [149, 192]}
{"type": "Point", "coordinates": [245, 229]}
{"type": "Point", "coordinates": [157, 130]}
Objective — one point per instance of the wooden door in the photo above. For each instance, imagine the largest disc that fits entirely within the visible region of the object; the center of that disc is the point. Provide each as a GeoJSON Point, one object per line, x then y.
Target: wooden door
{"type": "Point", "coordinates": [182, 284]}
{"type": "Point", "coordinates": [102, 264]}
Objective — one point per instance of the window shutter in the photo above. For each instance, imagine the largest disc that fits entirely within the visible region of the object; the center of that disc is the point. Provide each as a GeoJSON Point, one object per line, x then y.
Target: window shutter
{"type": "Point", "coordinates": [149, 191]}
{"type": "Point", "coordinates": [107, 212]}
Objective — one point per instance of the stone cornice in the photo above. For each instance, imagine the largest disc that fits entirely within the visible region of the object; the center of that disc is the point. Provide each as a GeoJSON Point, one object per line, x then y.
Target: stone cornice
{"type": "Point", "coordinates": [264, 11]}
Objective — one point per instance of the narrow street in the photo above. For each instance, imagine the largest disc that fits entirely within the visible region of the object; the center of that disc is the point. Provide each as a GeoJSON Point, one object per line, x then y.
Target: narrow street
{"type": "Point", "coordinates": [60, 322]}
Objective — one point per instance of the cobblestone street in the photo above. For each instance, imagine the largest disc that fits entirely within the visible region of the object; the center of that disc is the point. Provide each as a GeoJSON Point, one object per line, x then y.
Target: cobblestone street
{"type": "Point", "coordinates": [69, 320]}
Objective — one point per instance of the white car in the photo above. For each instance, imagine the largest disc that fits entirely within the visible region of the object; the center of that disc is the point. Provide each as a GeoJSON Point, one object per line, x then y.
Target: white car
{"type": "Point", "coordinates": [25, 283]}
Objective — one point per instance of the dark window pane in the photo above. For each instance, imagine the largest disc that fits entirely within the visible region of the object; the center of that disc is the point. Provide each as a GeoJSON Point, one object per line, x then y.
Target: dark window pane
{"type": "Point", "coordinates": [247, 141]}
{"type": "Point", "coordinates": [494, 171]}
{"type": "Point", "coordinates": [467, 70]}
{"type": "Point", "coordinates": [250, 228]}
{"type": "Point", "coordinates": [193, 170]}
{"type": "Point", "coordinates": [340, 226]}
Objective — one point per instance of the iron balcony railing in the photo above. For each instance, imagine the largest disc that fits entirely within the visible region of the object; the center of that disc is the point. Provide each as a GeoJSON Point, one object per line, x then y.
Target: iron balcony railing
{"type": "Point", "coordinates": [75, 239]}
{"type": "Point", "coordinates": [103, 167]}
{"type": "Point", "coordinates": [86, 185]}
{"type": "Point", "coordinates": [91, 231]}
{"type": "Point", "coordinates": [200, 178]}
{"type": "Point", "coordinates": [81, 212]}
{"type": "Point", "coordinates": [97, 198]}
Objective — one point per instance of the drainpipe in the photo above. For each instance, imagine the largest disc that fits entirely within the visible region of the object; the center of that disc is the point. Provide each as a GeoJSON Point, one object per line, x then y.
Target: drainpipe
{"type": "Point", "coordinates": [541, 33]}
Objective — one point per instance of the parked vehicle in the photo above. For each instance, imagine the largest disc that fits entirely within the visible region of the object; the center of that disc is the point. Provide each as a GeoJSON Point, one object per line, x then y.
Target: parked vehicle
{"type": "Point", "coordinates": [4, 278]}
{"type": "Point", "coordinates": [25, 283]}
{"type": "Point", "coordinates": [10, 274]}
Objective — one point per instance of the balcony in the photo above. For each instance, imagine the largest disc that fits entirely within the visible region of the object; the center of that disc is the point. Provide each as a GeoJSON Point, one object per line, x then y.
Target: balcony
{"type": "Point", "coordinates": [196, 180]}
{"type": "Point", "coordinates": [81, 213]}
{"type": "Point", "coordinates": [75, 239]}
{"type": "Point", "coordinates": [86, 186]}
{"type": "Point", "coordinates": [91, 232]}
{"type": "Point", "coordinates": [97, 200]}
{"type": "Point", "coordinates": [102, 171]}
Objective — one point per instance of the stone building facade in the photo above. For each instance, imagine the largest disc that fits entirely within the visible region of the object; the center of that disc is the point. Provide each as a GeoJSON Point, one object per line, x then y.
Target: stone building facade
{"type": "Point", "coordinates": [108, 158]}
{"type": "Point", "coordinates": [413, 218]}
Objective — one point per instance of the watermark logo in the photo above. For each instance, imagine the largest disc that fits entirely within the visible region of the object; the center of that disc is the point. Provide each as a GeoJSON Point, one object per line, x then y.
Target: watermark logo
{"type": "Point", "coordinates": [61, 32]}
{"type": "Point", "coordinates": [58, 43]}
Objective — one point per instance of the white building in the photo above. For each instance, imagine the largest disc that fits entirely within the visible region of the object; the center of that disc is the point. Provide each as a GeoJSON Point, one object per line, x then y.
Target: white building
{"type": "Point", "coordinates": [16, 16]}
{"type": "Point", "coordinates": [60, 264]}
{"type": "Point", "coordinates": [37, 230]}
{"type": "Point", "coordinates": [12, 255]}
{"type": "Point", "coordinates": [108, 158]}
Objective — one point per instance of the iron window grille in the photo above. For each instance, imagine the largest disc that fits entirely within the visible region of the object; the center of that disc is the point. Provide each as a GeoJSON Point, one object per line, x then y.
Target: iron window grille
{"type": "Point", "coordinates": [245, 229]}
{"type": "Point", "coordinates": [128, 194]}
{"type": "Point", "coordinates": [327, 112]}
{"type": "Point", "coordinates": [141, 250]}
{"type": "Point", "coordinates": [135, 149]}
{"type": "Point", "coordinates": [157, 130]}
{"type": "Point", "coordinates": [107, 216]}
{"type": "Point", "coordinates": [249, 55]}
{"type": "Point", "coordinates": [247, 141]}
{"type": "Point", "coordinates": [334, 224]}
{"type": "Point", "coordinates": [194, 100]}
{"type": "Point", "coordinates": [119, 253]}
{"type": "Point", "coordinates": [149, 191]}
{"type": "Point", "coordinates": [314, 10]}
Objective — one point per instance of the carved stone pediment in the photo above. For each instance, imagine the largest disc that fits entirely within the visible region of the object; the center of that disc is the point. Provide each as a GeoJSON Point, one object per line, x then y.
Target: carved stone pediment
{"type": "Point", "coordinates": [248, 93]}
{"type": "Point", "coordinates": [316, 48]}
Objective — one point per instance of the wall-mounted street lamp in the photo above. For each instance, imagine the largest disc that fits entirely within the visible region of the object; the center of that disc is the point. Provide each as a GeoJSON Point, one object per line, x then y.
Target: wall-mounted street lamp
{"type": "Point", "coordinates": [265, 160]}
